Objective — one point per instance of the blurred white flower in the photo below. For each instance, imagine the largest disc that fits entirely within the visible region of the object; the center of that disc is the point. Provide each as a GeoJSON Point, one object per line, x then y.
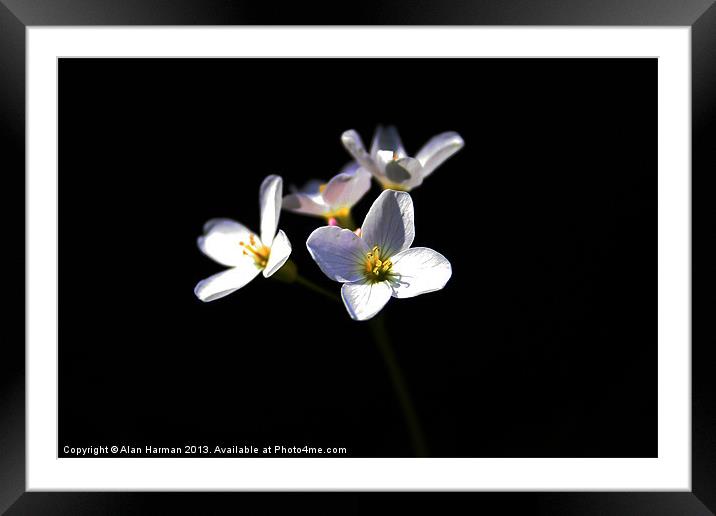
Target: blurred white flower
{"type": "Point", "coordinates": [379, 263]}
{"type": "Point", "coordinates": [389, 162]}
{"type": "Point", "coordinates": [232, 244]}
{"type": "Point", "coordinates": [331, 200]}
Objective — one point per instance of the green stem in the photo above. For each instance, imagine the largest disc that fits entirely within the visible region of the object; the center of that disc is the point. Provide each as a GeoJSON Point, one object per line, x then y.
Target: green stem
{"type": "Point", "coordinates": [289, 274]}
{"type": "Point", "coordinates": [347, 222]}
{"type": "Point", "coordinates": [315, 288]}
{"type": "Point", "coordinates": [377, 326]}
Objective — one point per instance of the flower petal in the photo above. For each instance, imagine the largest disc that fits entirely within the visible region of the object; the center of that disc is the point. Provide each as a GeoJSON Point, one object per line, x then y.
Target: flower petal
{"type": "Point", "coordinates": [270, 195]}
{"type": "Point", "coordinates": [387, 139]}
{"type": "Point", "coordinates": [347, 188]}
{"type": "Point", "coordinates": [280, 251]}
{"type": "Point", "coordinates": [226, 282]}
{"type": "Point", "coordinates": [354, 145]}
{"type": "Point", "coordinates": [419, 270]}
{"type": "Point", "coordinates": [339, 253]}
{"type": "Point", "coordinates": [389, 223]}
{"type": "Point", "coordinates": [311, 187]}
{"type": "Point", "coordinates": [407, 173]}
{"type": "Point", "coordinates": [365, 299]}
{"type": "Point", "coordinates": [350, 167]}
{"type": "Point", "coordinates": [220, 241]}
{"type": "Point", "coordinates": [304, 203]}
{"type": "Point", "coordinates": [438, 149]}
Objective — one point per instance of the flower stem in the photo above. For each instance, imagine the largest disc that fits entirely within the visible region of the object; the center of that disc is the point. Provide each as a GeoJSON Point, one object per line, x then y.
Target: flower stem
{"type": "Point", "coordinates": [346, 221]}
{"type": "Point", "coordinates": [289, 274]}
{"type": "Point", "coordinates": [377, 326]}
{"type": "Point", "coordinates": [315, 288]}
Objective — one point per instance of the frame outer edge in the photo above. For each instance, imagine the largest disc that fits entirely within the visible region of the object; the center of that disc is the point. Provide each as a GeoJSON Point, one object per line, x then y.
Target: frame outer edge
{"type": "Point", "coordinates": [12, 185]}
{"type": "Point", "coordinates": [12, 127]}
{"type": "Point", "coordinates": [366, 12]}
{"type": "Point", "coordinates": [703, 87]}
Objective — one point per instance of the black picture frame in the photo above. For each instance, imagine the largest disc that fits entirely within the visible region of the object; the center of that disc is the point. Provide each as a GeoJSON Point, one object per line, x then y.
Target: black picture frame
{"type": "Point", "coordinates": [700, 15]}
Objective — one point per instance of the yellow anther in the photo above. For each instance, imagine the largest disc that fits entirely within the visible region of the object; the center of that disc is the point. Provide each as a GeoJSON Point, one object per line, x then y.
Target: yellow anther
{"type": "Point", "coordinates": [377, 268]}
{"type": "Point", "coordinates": [322, 187]}
{"type": "Point", "coordinates": [259, 254]}
{"type": "Point", "coordinates": [341, 214]}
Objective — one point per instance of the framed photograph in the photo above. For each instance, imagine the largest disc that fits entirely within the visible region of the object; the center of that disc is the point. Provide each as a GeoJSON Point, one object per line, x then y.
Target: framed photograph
{"type": "Point", "coordinates": [434, 252]}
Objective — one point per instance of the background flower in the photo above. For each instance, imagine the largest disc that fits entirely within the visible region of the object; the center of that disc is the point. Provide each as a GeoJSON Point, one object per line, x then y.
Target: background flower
{"type": "Point", "coordinates": [331, 200]}
{"type": "Point", "coordinates": [389, 162]}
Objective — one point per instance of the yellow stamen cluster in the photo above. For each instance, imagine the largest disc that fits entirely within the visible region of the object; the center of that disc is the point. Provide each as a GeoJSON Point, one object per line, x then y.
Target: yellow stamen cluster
{"type": "Point", "coordinates": [340, 213]}
{"type": "Point", "coordinates": [376, 267]}
{"type": "Point", "coordinates": [260, 254]}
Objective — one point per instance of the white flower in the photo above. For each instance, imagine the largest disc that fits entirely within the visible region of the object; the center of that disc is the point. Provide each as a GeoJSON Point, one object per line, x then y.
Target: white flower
{"type": "Point", "coordinates": [333, 199]}
{"type": "Point", "coordinates": [389, 162]}
{"type": "Point", "coordinates": [232, 244]}
{"type": "Point", "coordinates": [379, 263]}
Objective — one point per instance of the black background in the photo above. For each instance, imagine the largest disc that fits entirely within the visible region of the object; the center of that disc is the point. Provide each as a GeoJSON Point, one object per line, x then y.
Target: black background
{"type": "Point", "coordinates": [542, 344]}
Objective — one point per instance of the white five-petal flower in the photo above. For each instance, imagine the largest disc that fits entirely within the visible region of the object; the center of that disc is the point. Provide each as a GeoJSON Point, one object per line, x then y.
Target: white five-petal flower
{"type": "Point", "coordinates": [234, 245]}
{"type": "Point", "coordinates": [379, 263]}
{"type": "Point", "coordinates": [333, 199]}
{"type": "Point", "coordinates": [389, 162]}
